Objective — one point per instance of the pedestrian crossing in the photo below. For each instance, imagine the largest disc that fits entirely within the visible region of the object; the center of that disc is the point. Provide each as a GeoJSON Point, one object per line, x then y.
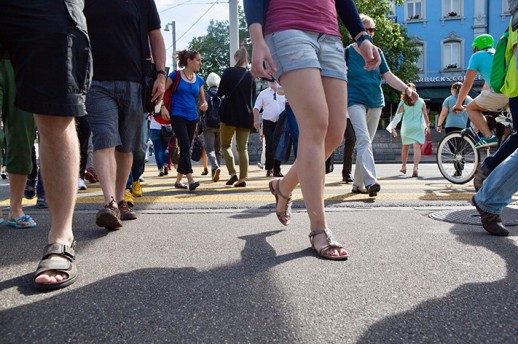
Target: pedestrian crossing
{"type": "Point", "coordinates": [396, 189]}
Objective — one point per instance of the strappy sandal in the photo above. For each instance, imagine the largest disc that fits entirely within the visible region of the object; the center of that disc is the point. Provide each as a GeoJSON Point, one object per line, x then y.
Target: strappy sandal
{"type": "Point", "coordinates": [283, 216]}
{"type": "Point", "coordinates": [403, 170]}
{"type": "Point", "coordinates": [331, 243]}
{"type": "Point", "coordinates": [67, 266]}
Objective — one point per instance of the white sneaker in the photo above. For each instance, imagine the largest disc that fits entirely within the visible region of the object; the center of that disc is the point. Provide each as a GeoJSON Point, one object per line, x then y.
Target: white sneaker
{"type": "Point", "coordinates": [260, 165]}
{"type": "Point", "coordinates": [81, 184]}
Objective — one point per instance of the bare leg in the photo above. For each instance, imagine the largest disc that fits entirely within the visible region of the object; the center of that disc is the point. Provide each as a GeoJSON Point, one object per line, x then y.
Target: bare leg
{"type": "Point", "coordinates": [404, 157]}
{"type": "Point", "coordinates": [320, 107]}
{"type": "Point", "coordinates": [16, 187]}
{"type": "Point", "coordinates": [417, 155]}
{"type": "Point", "coordinates": [59, 169]}
{"type": "Point", "coordinates": [478, 119]}
{"type": "Point", "coordinates": [105, 164]}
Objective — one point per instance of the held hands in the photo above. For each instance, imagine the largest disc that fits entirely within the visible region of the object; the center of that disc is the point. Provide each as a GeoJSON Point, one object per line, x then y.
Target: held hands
{"type": "Point", "coordinates": [370, 54]}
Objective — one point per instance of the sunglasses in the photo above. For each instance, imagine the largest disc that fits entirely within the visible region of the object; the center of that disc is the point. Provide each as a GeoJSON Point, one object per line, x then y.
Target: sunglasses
{"type": "Point", "coordinates": [371, 30]}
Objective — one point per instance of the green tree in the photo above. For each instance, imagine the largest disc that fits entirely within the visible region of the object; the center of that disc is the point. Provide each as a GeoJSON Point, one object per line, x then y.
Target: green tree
{"type": "Point", "coordinates": [400, 52]}
{"type": "Point", "coordinates": [215, 45]}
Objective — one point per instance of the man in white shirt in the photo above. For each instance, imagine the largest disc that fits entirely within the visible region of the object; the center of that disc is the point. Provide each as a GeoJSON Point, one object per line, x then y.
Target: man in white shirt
{"type": "Point", "coordinates": [273, 105]}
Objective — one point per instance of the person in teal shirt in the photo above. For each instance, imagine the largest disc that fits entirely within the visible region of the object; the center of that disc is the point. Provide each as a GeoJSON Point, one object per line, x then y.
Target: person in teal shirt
{"type": "Point", "coordinates": [364, 105]}
{"type": "Point", "coordinates": [449, 119]}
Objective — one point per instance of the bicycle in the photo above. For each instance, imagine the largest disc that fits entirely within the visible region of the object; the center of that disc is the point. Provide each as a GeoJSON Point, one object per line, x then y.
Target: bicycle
{"type": "Point", "coordinates": [457, 157]}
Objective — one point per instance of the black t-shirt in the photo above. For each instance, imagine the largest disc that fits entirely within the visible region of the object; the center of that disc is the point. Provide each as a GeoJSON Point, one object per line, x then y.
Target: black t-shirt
{"type": "Point", "coordinates": [115, 36]}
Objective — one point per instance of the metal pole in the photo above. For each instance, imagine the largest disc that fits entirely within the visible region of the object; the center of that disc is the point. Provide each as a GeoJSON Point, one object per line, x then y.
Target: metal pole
{"type": "Point", "coordinates": [234, 29]}
{"type": "Point", "coordinates": [174, 44]}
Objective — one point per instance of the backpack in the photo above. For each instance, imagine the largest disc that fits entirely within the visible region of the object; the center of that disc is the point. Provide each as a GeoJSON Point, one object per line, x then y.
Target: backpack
{"type": "Point", "coordinates": [499, 65]}
{"type": "Point", "coordinates": [211, 116]}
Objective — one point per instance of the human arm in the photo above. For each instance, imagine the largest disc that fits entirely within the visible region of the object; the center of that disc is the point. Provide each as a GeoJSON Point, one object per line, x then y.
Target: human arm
{"type": "Point", "coordinates": [203, 102]}
{"type": "Point", "coordinates": [442, 118]}
{"type": "Point", "coordinates": [391, 128]}
{"type": "Point", "coordinates": [464, 90]}
{"type": "Point", "coordinates": [426, 118]}
{"type": "Point", "coordinates": [399, 85]}
{"type": "Point", "coordinates": [156, 41]}
{"type": "Point", "coordinates": [164, 111]}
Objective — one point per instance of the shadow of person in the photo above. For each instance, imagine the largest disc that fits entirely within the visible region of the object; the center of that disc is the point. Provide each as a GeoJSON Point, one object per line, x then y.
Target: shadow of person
{"type": "Point", "coordinates": [483, 312]}
{"type": "Point", "coordinates": [235, 303]}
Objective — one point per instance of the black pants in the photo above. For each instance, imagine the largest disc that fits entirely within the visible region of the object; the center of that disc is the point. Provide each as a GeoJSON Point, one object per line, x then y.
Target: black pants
{"type": "Point", "coordinates": [268, 130]}
{"type": "Point", "coordinates": [349, 143]}
{"type": "Point", "coordinates": [184, 132]}
{"type": "Point", "coordinates": [83, 134]}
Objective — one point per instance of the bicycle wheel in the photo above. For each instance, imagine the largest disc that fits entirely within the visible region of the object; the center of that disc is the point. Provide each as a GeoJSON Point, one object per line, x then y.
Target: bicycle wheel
{"type": "Point", "coordinates": [457, 158]}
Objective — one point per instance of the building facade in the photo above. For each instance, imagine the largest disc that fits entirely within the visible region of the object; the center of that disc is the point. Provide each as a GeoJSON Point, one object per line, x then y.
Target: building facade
{"type": "Point", "coordinates": [443, 31]}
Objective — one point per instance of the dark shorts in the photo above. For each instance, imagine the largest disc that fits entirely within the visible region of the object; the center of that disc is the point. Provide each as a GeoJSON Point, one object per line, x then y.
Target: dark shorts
{"type": "Point", "coordinates": [48, 45]}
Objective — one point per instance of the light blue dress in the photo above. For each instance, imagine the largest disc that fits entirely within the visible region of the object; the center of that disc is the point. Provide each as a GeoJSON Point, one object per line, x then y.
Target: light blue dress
{"type": "Point", "coordinates": [412, 129]}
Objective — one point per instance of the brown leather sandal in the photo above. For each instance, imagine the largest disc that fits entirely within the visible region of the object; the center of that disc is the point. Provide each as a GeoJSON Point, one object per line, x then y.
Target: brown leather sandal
{"type": "Point", "coordinates": [283, 216]}
{"type": "Point", "coordinates": [67, 266]}
{"type": "Point", "coordinates": [331, 243]}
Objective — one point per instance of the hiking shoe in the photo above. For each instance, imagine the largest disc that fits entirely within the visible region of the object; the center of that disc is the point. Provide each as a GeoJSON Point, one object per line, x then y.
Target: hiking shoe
{"type": "Point", "coordinates": [373, 189]}
{"type": "Point", "coordinates": [486, 142]}
{"type": "Point", "coordinates": [30, 189]}
{"type": "Point", "coordinates": [128, 197]}
{"type": "Point", "coordinates": [41, 203]}
{"type": "Point", "coordinates": [109, 217]}
{"type": "Point", "coordinates": [81, 184]}
{"type": "Point", "coordinates": [492, 223]}
{"type": "Point", "coordinates": [137, 189]}
{"type": "Point", "coordinates": [126, 212]}
{"type": "Point", "coordinates": [480, 176]}
{"type": "Point", "coordinates": [90, 175]}
{"type": "Point", "coordinates": [193, 186]}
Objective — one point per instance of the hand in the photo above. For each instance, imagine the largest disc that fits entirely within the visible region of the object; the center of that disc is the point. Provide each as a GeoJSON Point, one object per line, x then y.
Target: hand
{"type": "Point", "coordinates": [256, 125]}
{"type": "Point", "coordinates": [165, 114]}
{"type": "Point", "coordinates": [427, 130]}
{"type": "Point", "coordinates": [439, 128]}
{"type": "Point", "coordinates": [261, 136]}
{"type": "Point", "coordinates": [394, 133]}
{"type": "Point", "coordinates": [458, 108]}
{"type": "Point", "coordinates": [204, 107]}
{"type": "Point", "coordinates": [370, 54]}
{"type": "Point", "coordinates": [413, 94]}
{"type": "Point", "coordinates": [158, 88]}
{"type": "Point", "coordinates": [260, 54]}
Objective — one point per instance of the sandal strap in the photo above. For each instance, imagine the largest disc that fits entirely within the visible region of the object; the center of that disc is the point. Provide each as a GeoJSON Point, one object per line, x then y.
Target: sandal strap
{"type": "Point", "coordinates": [278, 191]}
{"type": "Point", "coordinates": [331, 241]}
{"type": "Point", "coordinates": [64, 251]}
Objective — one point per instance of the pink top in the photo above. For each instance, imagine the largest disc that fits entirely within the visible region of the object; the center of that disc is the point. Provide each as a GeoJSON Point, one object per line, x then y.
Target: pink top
{"type": "Point", "coordinates": [306, 15]}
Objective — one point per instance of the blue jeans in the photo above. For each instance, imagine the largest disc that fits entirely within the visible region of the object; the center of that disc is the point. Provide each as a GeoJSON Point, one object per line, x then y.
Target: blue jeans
{"type": "Point", "coordinates": [498, 189]}
{"type": "Point", "coordinates": [160, 143]}
{"type": "Point", "coordinates": [213, 146]}
{"type": "Point", "coordinates": [139, 156]}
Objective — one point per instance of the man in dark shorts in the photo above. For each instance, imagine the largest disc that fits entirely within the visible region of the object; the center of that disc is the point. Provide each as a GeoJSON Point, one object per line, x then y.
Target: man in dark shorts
{"type": "Point", "coordinates": [120, 33]}
{"type": "Point", "coordinates": [48, 45]}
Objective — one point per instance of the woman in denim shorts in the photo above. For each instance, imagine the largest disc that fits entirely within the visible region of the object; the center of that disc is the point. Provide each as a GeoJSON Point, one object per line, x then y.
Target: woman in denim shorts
{"type": "Point", "coordinates": [305, 54]}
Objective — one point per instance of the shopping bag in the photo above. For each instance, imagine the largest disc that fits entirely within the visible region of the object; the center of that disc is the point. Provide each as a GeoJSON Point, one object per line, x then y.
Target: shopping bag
{"type": "Point", "coordinates": [426, 148]}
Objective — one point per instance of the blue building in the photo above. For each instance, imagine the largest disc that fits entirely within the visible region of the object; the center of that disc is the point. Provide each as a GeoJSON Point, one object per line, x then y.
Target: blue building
{"type": "Point", "coordinates": [443, 31]}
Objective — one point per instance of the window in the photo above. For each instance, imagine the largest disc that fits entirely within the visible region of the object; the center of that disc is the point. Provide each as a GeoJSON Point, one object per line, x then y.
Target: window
{"type": "Point", "coordinates": [420, 60]}
{"type": "Point", "coordinates": [451, 55]}
{"type": "Point", "coordinates": [415, 9]}
{"type": "Point", "coordinates": [451, 8]}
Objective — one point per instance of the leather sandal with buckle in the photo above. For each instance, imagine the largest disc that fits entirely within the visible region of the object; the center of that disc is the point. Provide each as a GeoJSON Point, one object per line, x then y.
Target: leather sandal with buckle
{"type": "Point", "coordinates": [67, 266]}
{"type": "Point", "coordinates": [331, 244]}
{"type": "Point", "coordinates": [283, 216]}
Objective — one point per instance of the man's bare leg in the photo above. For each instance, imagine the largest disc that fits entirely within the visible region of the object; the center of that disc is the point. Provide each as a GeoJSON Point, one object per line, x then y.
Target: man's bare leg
{"type": "Point", "coordinates": [477, 118]}
{"type": "Point", "coordinates": [59, 161]}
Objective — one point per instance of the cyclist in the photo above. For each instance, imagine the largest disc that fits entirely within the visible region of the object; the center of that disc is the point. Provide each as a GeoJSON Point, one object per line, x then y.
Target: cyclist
{"type": "Point", "coordinates": [488, 100]}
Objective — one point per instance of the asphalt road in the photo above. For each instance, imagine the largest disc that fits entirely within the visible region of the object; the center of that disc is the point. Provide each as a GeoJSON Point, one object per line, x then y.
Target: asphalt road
{"type": "Point", "coordinates": [216, 266]}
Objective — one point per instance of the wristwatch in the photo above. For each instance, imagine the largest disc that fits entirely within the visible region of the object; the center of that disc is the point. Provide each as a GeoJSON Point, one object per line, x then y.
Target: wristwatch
{"type": "Point", "coordinates": [161, 71]}
{"type": "Point", "coordinates": [362, 38]}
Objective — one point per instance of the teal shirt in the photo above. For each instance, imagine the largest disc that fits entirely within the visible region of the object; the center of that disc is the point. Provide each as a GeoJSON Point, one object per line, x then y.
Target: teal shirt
{"type": "Point", "coordinates": [364, 87]}
{"type": "Point", "coordinates": [481, 62]}
{"type": "Point", "coordinates": [455, 120]}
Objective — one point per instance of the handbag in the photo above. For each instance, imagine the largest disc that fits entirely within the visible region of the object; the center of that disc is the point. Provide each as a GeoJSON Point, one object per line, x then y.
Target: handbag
{"type": "Point", "coordinates": [426, 147]}
{"type": "Point", "coordinates": [196, 149]}
{"type": "Point", "coordinates": [166, 131]}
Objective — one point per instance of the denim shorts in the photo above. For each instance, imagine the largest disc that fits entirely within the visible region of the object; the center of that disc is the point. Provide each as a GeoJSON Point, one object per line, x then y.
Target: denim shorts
{"type": "Point", "coordinates": [295, 49]}
{"type": "Point", "coordinates": [115, 115]}
{"type": "Point", "coordinates": [48, 45]}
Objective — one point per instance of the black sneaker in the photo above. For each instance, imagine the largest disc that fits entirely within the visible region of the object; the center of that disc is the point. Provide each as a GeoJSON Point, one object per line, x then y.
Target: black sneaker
{"type": "Point", "coordinates": [347, 179]}
{"type": "Point", "coordinates": [232, 180]}
{"type": "Point", "coordinates": [126, 212]}
{"type": "Point", "coordinates": [278, 174]}
{"type": "Point", "coordinates": [30, 189]}
{"type": "Point", "coordinates": [373, 189]}
{"type": "Point", "coordinates": [205, 172]}
{"type": "Point", "coordinates": [492, 223]}
{"type": "Point", "coordinates": [193, 186]}
{"type": "Point", "coordinates": [269, 173]}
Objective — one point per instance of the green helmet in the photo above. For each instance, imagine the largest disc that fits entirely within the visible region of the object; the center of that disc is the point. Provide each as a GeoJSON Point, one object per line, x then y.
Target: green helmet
{"type": "Point", "coordinates": [482, 42]}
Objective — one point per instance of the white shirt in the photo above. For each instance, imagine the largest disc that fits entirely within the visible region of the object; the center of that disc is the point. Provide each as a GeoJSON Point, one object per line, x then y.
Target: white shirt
{"type": "Point", "coordinates": [272, 103]}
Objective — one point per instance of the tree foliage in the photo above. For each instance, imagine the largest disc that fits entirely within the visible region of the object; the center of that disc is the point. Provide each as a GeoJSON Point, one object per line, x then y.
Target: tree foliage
{"type": "Point", "coordinates": [400, 53]}
{"type": "Point", "coordinates": [215, 45]}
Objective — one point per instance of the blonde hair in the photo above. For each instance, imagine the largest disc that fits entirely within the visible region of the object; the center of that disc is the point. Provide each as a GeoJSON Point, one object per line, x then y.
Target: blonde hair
{"type": "Point", "coordinates": [366, 19]}
{"type": "Point", "coordinates": [241, 57]}
{"type": "Point", "coordinates": [213, 80]}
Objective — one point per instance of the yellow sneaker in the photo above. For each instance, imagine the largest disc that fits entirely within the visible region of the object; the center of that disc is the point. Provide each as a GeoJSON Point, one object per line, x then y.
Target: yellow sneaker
{"type": "Point", "coordinates": [128, 197]}
{"type": "Point", "coordinates": [137, 189]}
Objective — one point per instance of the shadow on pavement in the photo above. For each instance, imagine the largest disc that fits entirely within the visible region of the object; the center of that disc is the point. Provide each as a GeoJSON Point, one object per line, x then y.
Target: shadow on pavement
{"type": "Point", "coordinates": [472, 313]}
{"type": "Point", "coordinates": [235, 303]}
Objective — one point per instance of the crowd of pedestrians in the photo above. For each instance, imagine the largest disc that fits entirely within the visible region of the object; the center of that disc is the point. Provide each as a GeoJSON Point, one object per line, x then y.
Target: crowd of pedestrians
{"type": "Point", "coordinates": [291, 47]}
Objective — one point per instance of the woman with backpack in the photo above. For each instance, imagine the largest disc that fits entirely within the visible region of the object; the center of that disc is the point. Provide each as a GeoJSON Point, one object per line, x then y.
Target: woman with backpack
{"type": "Point", "coordinates": [211, 120]}
{"type": "Point", "coordinates": [238, 87]}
